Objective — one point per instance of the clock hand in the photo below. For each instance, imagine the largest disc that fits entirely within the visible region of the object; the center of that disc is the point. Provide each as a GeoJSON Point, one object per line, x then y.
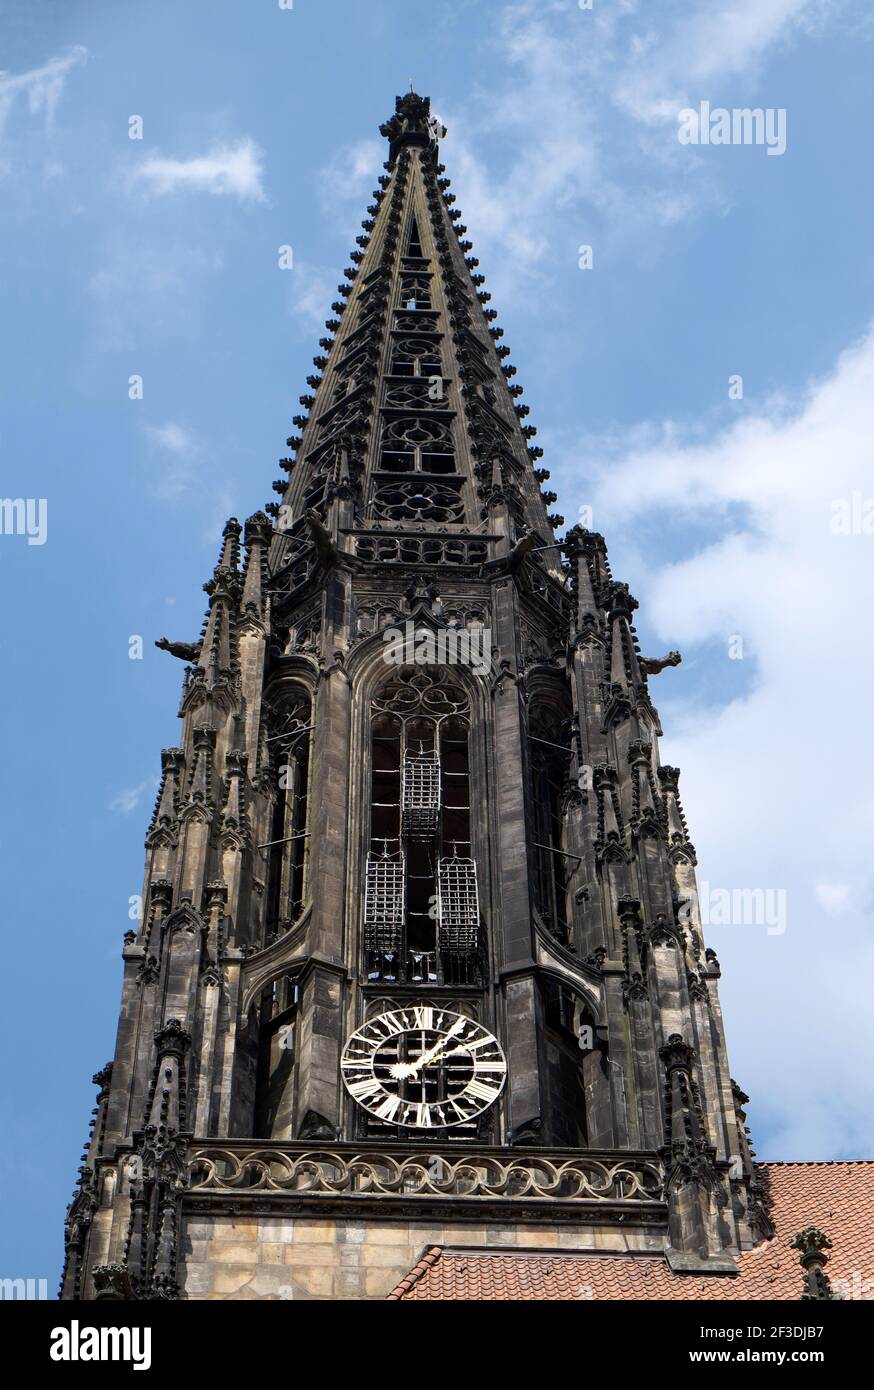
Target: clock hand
{"type": "Point", "coordinates": [401, 1070]}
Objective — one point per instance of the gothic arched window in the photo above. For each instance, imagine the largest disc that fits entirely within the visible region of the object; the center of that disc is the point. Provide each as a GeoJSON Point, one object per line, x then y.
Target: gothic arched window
{"type": "Point", "coordinates": [421, 910]}
{"type": "Point", "coordinates": [277, 1048]}
{"type": "Point", "coordinates": [574, 1066]}
{"type": "Point", "coordinates": [414, 444]}
{"type": "Point", "coordinates": [289, 736]}
{"type": "Point", "coordinates": [550, 761]}
{"type": "Point", "coordinates": [414, 241]}
{"type": "Point", "coordinates": [416, 357]}
{"type": "Point", "coordinates": [415, 290]}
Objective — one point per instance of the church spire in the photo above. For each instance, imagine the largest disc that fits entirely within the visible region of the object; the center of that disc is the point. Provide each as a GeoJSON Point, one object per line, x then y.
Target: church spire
{"type": "Point", "coordinates": [415, 871]}
{"type": "Point", "coordinates": [412, 418]}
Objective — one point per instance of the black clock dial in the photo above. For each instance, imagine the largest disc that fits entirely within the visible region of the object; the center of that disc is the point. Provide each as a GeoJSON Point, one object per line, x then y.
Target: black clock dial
{"type": "Point", "coordinates": [424, 1068]}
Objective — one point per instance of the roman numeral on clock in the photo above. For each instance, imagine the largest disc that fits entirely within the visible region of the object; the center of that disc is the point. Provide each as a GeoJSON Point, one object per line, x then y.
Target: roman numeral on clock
{"type": "Point", "coordinates": [389, 1108]}
{"type": "Point", "coordinates": [480, 1091]}
{"type": "Point", "coordinates": [362, 1090]}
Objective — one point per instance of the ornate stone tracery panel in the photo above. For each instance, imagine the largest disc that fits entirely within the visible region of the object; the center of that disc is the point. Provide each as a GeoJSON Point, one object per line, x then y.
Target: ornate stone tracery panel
{"type": "Point", "coordinates": [416, 356]}
{"type": "Point", "coordinates": [416, 501]}
{"type": "Point", "coordinates": [421, 690]}
{"type": "Point", "coordinates": [415, 432]}
{"type": "Point", "coordinates": [413, 394]}
{"type": "Point", "coordinates": [425, 550]}
{"type": "Point", "coordinates": [474, 1174]}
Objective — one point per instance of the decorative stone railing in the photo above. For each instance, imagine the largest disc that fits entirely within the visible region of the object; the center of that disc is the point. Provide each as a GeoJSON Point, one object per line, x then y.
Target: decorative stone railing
{"type": "Point", "coordinates": [349, 1172]}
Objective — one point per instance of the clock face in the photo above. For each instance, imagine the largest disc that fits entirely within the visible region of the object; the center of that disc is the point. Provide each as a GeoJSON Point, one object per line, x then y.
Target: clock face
{"type": "Point", "coordinates": [423, 1068]}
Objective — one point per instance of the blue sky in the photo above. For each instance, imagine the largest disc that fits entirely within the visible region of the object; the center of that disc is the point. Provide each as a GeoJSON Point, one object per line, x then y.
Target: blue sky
{"type": "Point", "coordinates": [158, 257]}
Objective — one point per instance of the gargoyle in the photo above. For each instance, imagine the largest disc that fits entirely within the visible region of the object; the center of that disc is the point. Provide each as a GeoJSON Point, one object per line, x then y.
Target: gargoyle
{"type": "Point", "coordinates": [186, 651]}
{"type": "Point", "coordinates": [521, 549]}
{"type": "Point", "coordinates": [322, 537]}
{"type": "Point", "coordinates": [651, 665]}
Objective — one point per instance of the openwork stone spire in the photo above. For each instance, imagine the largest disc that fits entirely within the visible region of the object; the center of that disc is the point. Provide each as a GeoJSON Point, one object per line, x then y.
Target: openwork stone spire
{"type": "Point", "coordinates": [412, 420]}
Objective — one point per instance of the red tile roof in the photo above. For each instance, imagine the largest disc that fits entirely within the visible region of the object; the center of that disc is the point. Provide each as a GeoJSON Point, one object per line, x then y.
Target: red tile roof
{"type": "Point", "coordinates": [836, 1197]}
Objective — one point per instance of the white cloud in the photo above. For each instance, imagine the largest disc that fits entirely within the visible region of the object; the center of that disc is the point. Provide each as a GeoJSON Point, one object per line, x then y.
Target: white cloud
{"type": "Point", "coordinates": [312, 290]}
{"type": "Point", "coordinates": [130, 798]}
{"type": "Point", "coordinates": [707, 44]}
{"type": "Point", "coordinates": [172, 437]}
{"type": "Point", "coordinates": [833, 897]}
{"type": "Point", "coordinates": [777, 778]}
{"type": "Point", "coordinates": [235, 170]}
{"type": "Point", "coordinates": [176, 450]}
{"type": "Point", "coordinates": [574, 94]}
{"type": "Point", "coordinates": [353, 168]}
{"type": "Point", "coordinates": [179, 457]}
{"type": "Point", "coordinates": [41, 87]}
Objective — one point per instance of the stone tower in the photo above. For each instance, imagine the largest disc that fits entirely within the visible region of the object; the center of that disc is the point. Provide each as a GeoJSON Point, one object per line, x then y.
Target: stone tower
{"type": "Point", "coordinates": [419, 950]}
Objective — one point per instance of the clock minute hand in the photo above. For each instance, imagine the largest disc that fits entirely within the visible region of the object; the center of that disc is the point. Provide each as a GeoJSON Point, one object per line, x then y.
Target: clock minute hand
{"type": "Point", "coordinates": [410, 1068]}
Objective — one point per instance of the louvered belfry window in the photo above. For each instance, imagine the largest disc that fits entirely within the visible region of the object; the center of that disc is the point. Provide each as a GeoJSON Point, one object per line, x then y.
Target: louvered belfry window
{"type": "Point", "coordinates": [421, 909]}
{"type": "Point", "coordinates": [384, 902]}
{"type": "Point", "coordinates": [421, 792]}
{"type": "Point", "coordinates": [458, 906]}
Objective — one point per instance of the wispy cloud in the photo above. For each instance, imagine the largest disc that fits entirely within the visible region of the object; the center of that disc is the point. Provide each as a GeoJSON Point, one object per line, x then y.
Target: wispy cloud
{"type": "Point", "coordinates": [705, 44]}
{"type": "Point", "coordinates": [41, 87]}
{"type": "Point", "coordinates": [227, 170]}
{"type": "Point", "coordinates": [312, 289]}
{"type": "Point", "coordinates": [578, 97]}
{"type": "Point", "coordinates": [833, 897]}
{"type": "Point", "coordinates": [176, 451]}
{"type": "Point", "coordinates": [352, 169]}
{"type": "Point", "coordinates": [127, 801]}
{"type": "Point", "coordinates": [172, 437]}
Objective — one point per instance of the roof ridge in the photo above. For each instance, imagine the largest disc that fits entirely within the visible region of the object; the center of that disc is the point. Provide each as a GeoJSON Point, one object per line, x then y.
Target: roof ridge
{"type": "Point", "coordinates": [816, 1163]}
{"type": "Point", "coordinates": [545, 1252]}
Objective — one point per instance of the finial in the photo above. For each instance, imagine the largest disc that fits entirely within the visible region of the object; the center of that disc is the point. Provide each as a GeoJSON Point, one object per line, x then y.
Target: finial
{"type": "Point", "coordinates": [412, 124]}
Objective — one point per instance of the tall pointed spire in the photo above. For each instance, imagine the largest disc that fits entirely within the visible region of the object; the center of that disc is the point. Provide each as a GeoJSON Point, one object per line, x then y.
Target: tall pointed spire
{"type": "Point", "coordinates": [412, 419]}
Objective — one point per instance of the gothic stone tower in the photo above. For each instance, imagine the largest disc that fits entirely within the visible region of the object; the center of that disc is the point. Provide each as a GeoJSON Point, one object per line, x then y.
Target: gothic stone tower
{"type": "Point", "coordinates": [420, 957]}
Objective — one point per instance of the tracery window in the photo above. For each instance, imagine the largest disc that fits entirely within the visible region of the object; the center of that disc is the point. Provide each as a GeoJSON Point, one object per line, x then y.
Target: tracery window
{"type": "Point", "coordinates": [415, 395]}
{"type": "Point", "coordinates": [418, 501]}
{"type": "Point", "coordinates": [421, 910]}
{"type": "Point", "coordinates": [416, 356]}
{"type": "Point", "coordinates": [415, 290]}
{"type": "Point", "coordinates": [417, 445]}
{"type": "Point", "coordinates": [418, 321]}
